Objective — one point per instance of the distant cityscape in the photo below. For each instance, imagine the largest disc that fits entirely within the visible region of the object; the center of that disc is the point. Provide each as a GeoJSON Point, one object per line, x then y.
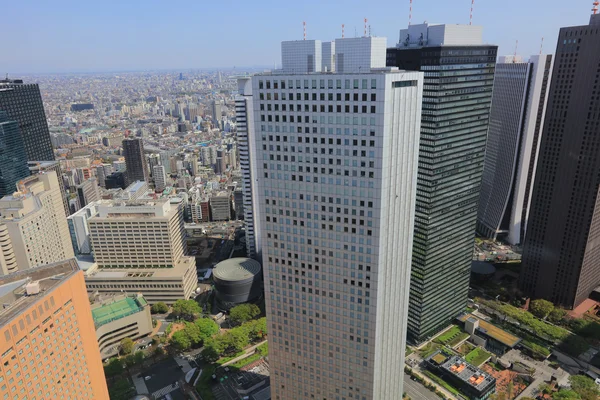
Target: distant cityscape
{"type": "Point", "coordinates": [370, 221]}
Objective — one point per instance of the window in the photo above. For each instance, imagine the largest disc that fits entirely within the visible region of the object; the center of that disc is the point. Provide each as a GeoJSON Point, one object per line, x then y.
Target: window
{"type": "Point", "coordinates": [373, 83]}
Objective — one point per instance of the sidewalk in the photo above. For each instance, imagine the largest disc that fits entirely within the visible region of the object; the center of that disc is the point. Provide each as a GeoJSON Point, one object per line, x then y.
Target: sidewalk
{"type": "Point", "coordinates": [249, 351]}
{"type": "Point", "coordinates": [156, 328]}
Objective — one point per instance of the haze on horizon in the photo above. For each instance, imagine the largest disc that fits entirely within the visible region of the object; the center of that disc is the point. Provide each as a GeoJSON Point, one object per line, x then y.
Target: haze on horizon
{"type": "Point", "coordinates": [78, 36]}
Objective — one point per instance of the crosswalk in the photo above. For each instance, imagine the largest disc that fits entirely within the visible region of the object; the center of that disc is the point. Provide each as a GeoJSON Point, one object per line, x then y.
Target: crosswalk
{"type": "Point", "coordinates": [166, 390]}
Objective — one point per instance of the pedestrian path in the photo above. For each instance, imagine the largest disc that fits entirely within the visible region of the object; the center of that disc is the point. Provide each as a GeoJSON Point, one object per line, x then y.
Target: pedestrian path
{"type": "Point", "coordinates": [164, 391]}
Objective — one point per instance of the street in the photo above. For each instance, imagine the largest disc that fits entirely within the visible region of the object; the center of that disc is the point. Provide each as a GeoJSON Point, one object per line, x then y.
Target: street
{"type": "Point", "coordinates": [416, 391]}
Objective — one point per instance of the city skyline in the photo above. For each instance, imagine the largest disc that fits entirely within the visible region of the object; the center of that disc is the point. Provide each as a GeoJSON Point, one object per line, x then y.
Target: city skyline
{"type": "Point", "coordinates": [166, 44]}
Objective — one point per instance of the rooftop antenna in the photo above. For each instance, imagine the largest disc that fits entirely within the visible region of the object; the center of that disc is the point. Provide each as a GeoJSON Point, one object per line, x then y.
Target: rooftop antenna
{"type": "Point", "coordinates": [342, 31]}
{"type": "Point", "coordinates": [471, 17]}
{"type": "Point", "coordinates": [595, 8]}
{"type": "Point", "coordinates": [410, 13]}
{"type": "Point", "coordinates": [516, 47]}
{"type": "Point", "coordinates": [369, 30]}
{"type": "Point", "coordinates": [365, 27]}
{"type": "Point", "coordinates": [542, 46]}
{"type": "Point", "coordinates": [304, 27]}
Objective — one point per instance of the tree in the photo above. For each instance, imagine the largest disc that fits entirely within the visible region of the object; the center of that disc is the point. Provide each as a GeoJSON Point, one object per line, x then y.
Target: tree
{"type": "Point", "coordinates": [557, 315]}
{"type": "Point", "coordinates": [181, 340]}
{"type": "Point", "coordinates": [186, 309]}
{"type": "Point", "coordinates": [157, 353]}
{"type": "Point", "coordinates": [257, 329]}
{"type": "Point", "coordinates": [129, 361]}
{"type": "Point", "coordinates": [234, 341]}
{"type": "Point", "coordinates": [126, 345]}
{"type": "Point", "coordinates": [566, 395]}
{"type": "Point", "coordinates": [139, 357]}
{"type": "Point", "coordinates": [121, 390]}
{"type": "Point", "coordinates": [207, 327]}
{"type": "Point", "coordinates": [541, 308]}
{"type": "Point", "coordinates": [114, 367]}
{"type": "Point", "coordinates": [159, 308]}
{"type": "Point", "coordinates": [210, 353]}
{"type": "Point", "coordinates": [193, 332]}
{"type": "Point", "coordinates": [574, 345]}
{"type": "Point", "coordinates": [243, 313]}
{"type": "Point", "coordinates": [585, 387]}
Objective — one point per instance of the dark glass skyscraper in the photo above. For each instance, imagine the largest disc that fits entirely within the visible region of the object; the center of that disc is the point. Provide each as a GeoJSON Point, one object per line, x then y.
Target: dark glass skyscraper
{"type": "Point", "coordinates": [561, 254]}
{"type": "Point", "coordinates": [459, 75]}
{"type": "Point", "coordinates": [135, 160]}
{"type": "Point", "coordinates": [23, 103]}
{"type": "Point", "coordinates": [13, 161]}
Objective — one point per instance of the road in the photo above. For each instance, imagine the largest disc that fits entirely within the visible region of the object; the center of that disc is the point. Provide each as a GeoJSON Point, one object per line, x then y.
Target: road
{"type": "Point", "coordinates": [416, 391]}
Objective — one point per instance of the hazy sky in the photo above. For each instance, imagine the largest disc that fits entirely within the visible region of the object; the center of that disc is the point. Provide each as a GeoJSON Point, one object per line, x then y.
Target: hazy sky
{"type": "Point", "coordinates": [86, 35]}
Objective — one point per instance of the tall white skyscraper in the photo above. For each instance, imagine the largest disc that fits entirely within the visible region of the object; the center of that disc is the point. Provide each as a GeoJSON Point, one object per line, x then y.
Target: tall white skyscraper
{"type": "Point", "coordinates": [516, 120]}
{"type": "Point", "coordinates": [329, 166]}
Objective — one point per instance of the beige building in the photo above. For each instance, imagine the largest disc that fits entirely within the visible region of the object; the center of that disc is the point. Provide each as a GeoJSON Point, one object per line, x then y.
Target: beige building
{"type": "Point", "coordinates": [47, 348]}
{"type": "Point", "coordinates": [118, 317]}
{"type": "Point", "coordinates": [33, 225]}
{"type": "Point", "coordinates": [139, 247]}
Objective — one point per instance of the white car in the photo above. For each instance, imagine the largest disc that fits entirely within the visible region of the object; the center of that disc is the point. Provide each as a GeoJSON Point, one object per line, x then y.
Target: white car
{"type": "Point", "coordinates": [147, 378]}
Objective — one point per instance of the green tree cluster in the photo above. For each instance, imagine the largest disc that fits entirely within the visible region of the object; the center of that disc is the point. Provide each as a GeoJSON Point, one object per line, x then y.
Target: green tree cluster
{"type": "Point", "coordinates": [186, 309]}
{"type": "Point", "coordinates": [114, 367]}
{"type": "Point", "coordinates": [159, 308]}
{"type": "Point", "coordinates": [194, 333]}
{"type": "Point", "coordinates": [244, 313]}
{"type": "Point", "coordinates": [121, 390]}
{"type": "Point", "coordinates": [234, 340]}
{"type": "Point", "coordinates": [541, 308]}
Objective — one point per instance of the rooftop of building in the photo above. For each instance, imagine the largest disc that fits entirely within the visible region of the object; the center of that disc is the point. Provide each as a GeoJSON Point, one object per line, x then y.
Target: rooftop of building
{"type": "Point", "coordinates": [146, 208]}
{"type": "Point", "coordinates": [174, 273]}
{"type": "Point", "coordinates": [116, 308]}
{"type": "Point", "coordinates": [13, 287]}
{"type": "Point", "coordinates": [466, 372]}
{"type": "Point", "coordinates": [500, 335]}
{"type": "Point", "coordinates": [237, 269]}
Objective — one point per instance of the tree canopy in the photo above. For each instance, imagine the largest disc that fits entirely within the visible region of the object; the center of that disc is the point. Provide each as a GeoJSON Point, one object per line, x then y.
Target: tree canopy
{"type": "Point", "coordinates": [121, 390]}
{"type": "Point", "coordinates": [186, 309]}
{"type": "Point", "coordinates": [585, 387]}
{"type": "Point", "coordinates": [114, 367]}
{"type": "Point", "coordinates": [541, 308]}
{"type": "Point", "coordinates": [126, 345]}
{"type": "Point", "coordinates": [159, 308]}
{"type": "Point", "coordinates": [244, 313]}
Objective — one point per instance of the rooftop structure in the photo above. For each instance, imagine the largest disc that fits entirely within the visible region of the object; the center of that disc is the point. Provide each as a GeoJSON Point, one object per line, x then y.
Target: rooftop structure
{"type": "Point", "coordinates": [428, 35]}
{"type": "Point", "coordinates": [490, 331]}
{"type": "Point", "coordinates": [470, 380]}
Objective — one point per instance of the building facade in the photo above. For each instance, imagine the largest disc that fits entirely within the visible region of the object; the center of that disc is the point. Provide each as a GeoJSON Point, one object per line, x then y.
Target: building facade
{"type": "Point", "coordinates": [35, 221]}
{"type": "Point", "coordinates": [13, 159]}
{"type": "Point", "coordinates": [118, 317]}
{"type": "Point", "coordinates": [516, 121]}
{"type": "Point", "coordinates": [135, 160]}
{"type": "Point", "coordinates": [334, 160]}
{"type": "Point", "coordinates": [43, 166]}
{"type": "Point", "coordinates": [23, 103]}
{"type": "Point", "coordinates": [88, 192]}
{"type": "Point", "coordinates": [48, 347]}
{"type": "Point", "coordinates": [220, 206]}
{"type": "Point", "coordinates": [160, 177]}
{"type": "Point", "coordinates": [456, 104]}
{"type": "Point", "coordinates": [561, 258]}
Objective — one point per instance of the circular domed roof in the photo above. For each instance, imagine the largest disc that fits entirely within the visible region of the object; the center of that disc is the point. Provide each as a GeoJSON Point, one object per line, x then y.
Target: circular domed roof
{"type": "Point", "coordinates": [237, 269]}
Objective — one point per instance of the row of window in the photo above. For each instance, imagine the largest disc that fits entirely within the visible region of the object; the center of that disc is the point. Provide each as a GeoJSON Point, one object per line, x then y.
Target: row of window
{"type": "Point", "coordinates": [304, 84]}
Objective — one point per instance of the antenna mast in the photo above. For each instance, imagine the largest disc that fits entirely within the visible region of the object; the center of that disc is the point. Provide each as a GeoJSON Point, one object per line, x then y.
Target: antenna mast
{"type": "Point", "coordinates": [471, 16]}
{"type": "Point", "coordinates": [304, 26]}
{"type": "Point", "coordinates": [342, 31]}
{"type": "Point", "coordinates": [542, 46]}
{"type": "Point", "coordinates": [516, 47]}
{"type": "Point", "coordinates": [365, 27]}
{"type": "Point", "coordinates": [410, 13]}
{"type": "Point", "coordinates": [595, 8]}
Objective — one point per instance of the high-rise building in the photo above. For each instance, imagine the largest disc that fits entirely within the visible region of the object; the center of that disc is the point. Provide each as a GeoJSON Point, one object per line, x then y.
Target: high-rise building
{"type": "Point", "coordinates": [135, 160]}
{"type": "Point", "coordinates": [160, 178]}
{"type": "Point", "coordinates": [139, 239]}
{"type": "Point", "coordinates": [49, 347]}
{"type": "Point", "coordinates": [88, 192]}
{"type": "Point", "coordinates": [459, 75]}
{"type": "Point", "coordinates": [217, 110]}
{"type": "Point", "coordinates": [43, 166]}
{"type": "Point", "coordinates": [34, 219]}
{"type": "Point", "coordinates": [220, 206]}
{"type": "Point", "coordinates": [13, 160]}
{"type": "Point", "coordinates": [23, 103]}
{"type": "Point", "coordinates": [516, 121]}
{"type": "Point", "coordinates": [560, 253]}
{"type": "Point", "coordinates": [333, 162]}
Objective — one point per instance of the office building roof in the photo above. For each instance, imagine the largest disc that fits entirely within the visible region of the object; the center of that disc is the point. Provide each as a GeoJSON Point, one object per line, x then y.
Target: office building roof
{"type": "Point", "coordinates": [493, 331]}
{"type": "Point", "coordinates": [13, 290]}
{"type": "Point", "coordinates": [466, 372]}
{"type": "Point", "coordinates": [116, 309]}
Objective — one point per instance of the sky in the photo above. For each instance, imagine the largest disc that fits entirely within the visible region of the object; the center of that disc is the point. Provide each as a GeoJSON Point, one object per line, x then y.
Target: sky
{"type": "Point", "coordinates": [62, 36]}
